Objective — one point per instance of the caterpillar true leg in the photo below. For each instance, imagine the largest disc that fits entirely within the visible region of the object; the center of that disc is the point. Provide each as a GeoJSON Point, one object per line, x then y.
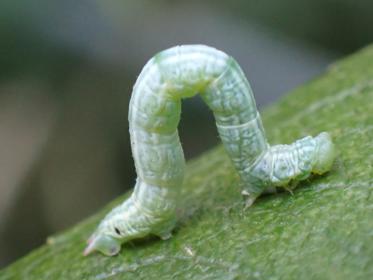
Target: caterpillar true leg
{"type": "Point", "coordinates": [181, 72]}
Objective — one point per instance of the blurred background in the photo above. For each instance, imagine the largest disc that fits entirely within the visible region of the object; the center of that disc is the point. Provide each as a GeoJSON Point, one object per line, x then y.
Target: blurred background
{"type": "Point", "coordinates": [66, 73]}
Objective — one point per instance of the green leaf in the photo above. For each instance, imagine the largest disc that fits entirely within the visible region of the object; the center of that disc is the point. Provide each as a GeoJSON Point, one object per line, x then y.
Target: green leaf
{"type": "Point", "coordinates": [323, 231]}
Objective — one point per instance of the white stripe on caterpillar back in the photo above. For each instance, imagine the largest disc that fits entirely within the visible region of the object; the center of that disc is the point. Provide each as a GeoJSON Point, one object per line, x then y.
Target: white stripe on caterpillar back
{"type": "Point", "coordinates": [154, 114]}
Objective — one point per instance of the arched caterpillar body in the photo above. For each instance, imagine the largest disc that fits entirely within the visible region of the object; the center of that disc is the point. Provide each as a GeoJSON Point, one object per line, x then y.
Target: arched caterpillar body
{"type": "Point", "coordinates": [154, 114]}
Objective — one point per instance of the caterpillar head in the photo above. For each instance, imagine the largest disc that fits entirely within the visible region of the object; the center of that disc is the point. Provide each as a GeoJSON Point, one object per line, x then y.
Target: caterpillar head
{"type": "Point", "coordinates": [107, 239]}
{"type": "Point", "coordinates": [103, 243]}
{"type": "Point", "coordinates": [325, 153]}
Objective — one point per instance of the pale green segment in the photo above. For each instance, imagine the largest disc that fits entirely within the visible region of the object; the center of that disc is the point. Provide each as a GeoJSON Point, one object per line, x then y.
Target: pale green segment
{"type": "Point", "coordinates": [230, 97]}
{"type": "Point", "coordinates": [154, 114]}
{"type": "Point", "coordinates": [155, 110]}
{"type": "Point", "coordinates": [286, 165]}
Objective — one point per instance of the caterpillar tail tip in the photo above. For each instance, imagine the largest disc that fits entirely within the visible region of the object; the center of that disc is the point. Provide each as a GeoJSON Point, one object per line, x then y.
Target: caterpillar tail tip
{"type": "Point", "coordinates": [325, 154]}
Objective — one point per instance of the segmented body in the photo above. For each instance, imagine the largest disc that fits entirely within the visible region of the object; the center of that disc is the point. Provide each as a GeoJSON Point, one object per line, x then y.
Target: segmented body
{"type": "Point", "coordinates": [154, 114]}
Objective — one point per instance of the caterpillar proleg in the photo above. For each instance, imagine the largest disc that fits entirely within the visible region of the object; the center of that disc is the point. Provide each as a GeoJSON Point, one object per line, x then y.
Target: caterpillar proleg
{"type": "Point", "coordinates": [154, 114]}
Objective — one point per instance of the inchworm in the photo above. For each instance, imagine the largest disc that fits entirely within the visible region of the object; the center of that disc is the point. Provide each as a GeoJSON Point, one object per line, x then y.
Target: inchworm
{"type": "Point", "coordinates": [154, 114]}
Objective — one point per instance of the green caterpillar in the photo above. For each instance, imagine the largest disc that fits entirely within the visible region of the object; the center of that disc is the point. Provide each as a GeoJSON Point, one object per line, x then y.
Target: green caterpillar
{"type": "Point", "coordinates": [154, 114]}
